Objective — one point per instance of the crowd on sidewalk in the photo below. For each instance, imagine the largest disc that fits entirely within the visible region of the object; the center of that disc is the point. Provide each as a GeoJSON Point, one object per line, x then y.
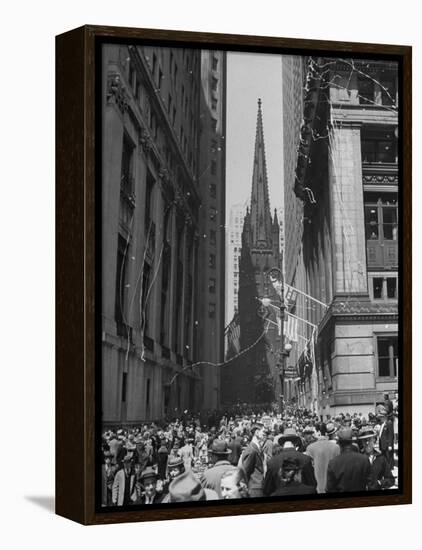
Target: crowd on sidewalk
{"type": "Point", "coordinates": [247, 452]}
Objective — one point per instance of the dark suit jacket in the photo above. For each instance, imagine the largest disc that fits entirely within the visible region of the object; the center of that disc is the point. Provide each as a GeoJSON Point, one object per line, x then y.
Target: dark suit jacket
{"type": "Point", "coordinates": [272, 480]}
{"type": "Point", "coordinates": [350, 471]}
{"type": "Point", "coordinates": [381, 475]}
{"type": "Point", "coordinates": [387, 436]}
{"type": "Point", "coordinates": [253, 465]}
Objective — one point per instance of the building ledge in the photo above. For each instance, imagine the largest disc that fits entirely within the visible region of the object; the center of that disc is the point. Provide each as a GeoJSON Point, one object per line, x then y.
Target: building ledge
{"type": "Point", "coordinates": [358, 308]}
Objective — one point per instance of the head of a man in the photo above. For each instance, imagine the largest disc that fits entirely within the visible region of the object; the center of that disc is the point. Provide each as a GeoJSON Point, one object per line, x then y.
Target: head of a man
{"type": "Point", "coordinates": [150, 486]}
{"type": "Point", "coordinates": [233, 484]}
{"type": "Point", "coordinates": [258, 433]}
{"type": "Point", "coordinates": [308, 435]}
{"type": "Point", "coordinates": [368, 445]}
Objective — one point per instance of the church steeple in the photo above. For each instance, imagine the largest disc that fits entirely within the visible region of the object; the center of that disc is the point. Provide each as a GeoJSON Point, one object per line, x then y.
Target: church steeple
{"type": "Point", "coordinates": [260, 214]}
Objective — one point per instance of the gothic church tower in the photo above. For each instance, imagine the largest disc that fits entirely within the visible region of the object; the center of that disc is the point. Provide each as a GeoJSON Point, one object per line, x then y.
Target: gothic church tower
{"type": "Point", "coordinates": [252, 376]}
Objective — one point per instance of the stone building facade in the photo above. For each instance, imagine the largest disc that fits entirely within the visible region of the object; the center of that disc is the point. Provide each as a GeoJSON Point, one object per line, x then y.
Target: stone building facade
{"type": "Point", "coordinates": [346, 182]}
{"type": "Point", "coordinates": [152, 198]}
{"type": "Point", "coordinates": [212, 188]}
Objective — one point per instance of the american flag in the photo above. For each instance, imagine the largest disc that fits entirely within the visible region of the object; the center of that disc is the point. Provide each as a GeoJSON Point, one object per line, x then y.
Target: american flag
{"type": "Point", "coordinates": [290, 328]}
{"type": "Point", "coordinates": [232, 333]}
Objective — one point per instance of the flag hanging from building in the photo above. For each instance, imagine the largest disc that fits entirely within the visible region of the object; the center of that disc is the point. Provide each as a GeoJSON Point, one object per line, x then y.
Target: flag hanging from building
{"type": "Point", "coordinates": [232, 333]}
{"type": "Point", "coordinates": [290, 327]}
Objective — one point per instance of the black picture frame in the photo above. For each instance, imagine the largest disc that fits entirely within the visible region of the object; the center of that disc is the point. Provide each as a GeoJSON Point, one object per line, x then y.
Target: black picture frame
{"type": "Point", "coordinates": [78, 281]}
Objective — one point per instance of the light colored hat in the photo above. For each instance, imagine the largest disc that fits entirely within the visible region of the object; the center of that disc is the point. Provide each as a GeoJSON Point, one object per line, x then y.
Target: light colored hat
{"type": "Point", "coordinates": [366, 433]}
{"type": "Point", "coordinates": [330, 428]}
{"type": "Point", "coordinates": [185, 488]}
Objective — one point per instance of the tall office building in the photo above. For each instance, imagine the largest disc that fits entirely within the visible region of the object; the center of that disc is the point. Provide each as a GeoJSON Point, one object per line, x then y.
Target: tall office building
{"type": "Point", "coordinates": [153, 196]}
{"type": "Point", "coordinates": [341, 229]}
{"type": "Point", "coordinates": [212, 166]}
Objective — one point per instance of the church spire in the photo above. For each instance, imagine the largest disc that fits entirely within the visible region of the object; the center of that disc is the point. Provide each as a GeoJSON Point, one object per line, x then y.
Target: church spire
{"type": "Point", "coordinates": [260, 214]}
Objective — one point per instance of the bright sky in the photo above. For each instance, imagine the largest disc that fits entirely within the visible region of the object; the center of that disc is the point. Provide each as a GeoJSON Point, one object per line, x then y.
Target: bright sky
{"type": "Point", "coordinates": [250, 76]}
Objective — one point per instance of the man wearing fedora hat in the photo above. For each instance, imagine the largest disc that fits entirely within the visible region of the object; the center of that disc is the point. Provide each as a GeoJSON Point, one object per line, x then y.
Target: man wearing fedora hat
{"type": "Point", "coordinates": [349, 471]}
{"type": "Point", "coordinates": [252, 460]}
{"type": "Point", "coordinates": [289, 441]}
{"type": "Point", "coordinates": [321, 452]}
{"type": "Point", "coordinates": [385, 435]}
{"type": "Point", "coordinates": [219, 453]}
{"type": "Point", "coordinates": [381, 475]}
{"type": "Point", "coordinates": [149, 484]}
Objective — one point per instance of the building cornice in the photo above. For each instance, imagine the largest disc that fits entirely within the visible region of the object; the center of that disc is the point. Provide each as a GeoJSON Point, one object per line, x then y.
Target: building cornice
{"type": "Point", "coordinates": [358, 308]}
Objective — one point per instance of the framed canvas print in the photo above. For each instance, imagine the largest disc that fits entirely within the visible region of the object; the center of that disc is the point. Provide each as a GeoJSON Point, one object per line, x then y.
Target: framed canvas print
{"type": "Point", "coordinates": [233, 275]}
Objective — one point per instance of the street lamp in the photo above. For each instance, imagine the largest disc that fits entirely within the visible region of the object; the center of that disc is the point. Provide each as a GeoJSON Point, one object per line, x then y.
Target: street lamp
{"type": "Point", "coordinates": [275, 275]}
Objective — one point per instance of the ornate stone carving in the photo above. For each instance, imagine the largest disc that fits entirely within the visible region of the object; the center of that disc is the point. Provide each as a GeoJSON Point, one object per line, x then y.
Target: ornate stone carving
{"type": "Point", "coordinates": [381, 179]}
{"type": "Point", "coordinates": [145, 140]}
{"type": "Point", "coordinates": [116, 92]}
{"type": "Point", "coordinates": [164, 175]}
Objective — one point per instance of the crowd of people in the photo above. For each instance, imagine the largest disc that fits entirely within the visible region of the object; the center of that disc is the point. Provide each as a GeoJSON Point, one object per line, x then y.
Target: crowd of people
{"type": "Point", "coordinates": [249, 453]}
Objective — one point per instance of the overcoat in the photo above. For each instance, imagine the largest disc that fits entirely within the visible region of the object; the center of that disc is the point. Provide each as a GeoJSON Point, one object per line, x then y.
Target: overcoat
{"type": "Point", "coordinates": [348, 472]}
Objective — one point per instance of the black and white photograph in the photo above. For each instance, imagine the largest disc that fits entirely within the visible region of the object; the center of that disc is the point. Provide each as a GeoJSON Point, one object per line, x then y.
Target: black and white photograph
{"type": "Point", "coordinates": [249, 342]}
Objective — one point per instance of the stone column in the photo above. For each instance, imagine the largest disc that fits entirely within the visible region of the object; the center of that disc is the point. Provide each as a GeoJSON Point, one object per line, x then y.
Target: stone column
{"type": "Point", "coordinates": [112, 146]}
{"type": "Point", "coordinates": [347, 213]}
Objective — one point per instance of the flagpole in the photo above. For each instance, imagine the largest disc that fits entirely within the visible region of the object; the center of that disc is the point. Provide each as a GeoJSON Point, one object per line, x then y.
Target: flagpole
{"type": "Point", "coordinates": [306, 295]}
{"type": "Point", "coordinates": [303, 320]}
